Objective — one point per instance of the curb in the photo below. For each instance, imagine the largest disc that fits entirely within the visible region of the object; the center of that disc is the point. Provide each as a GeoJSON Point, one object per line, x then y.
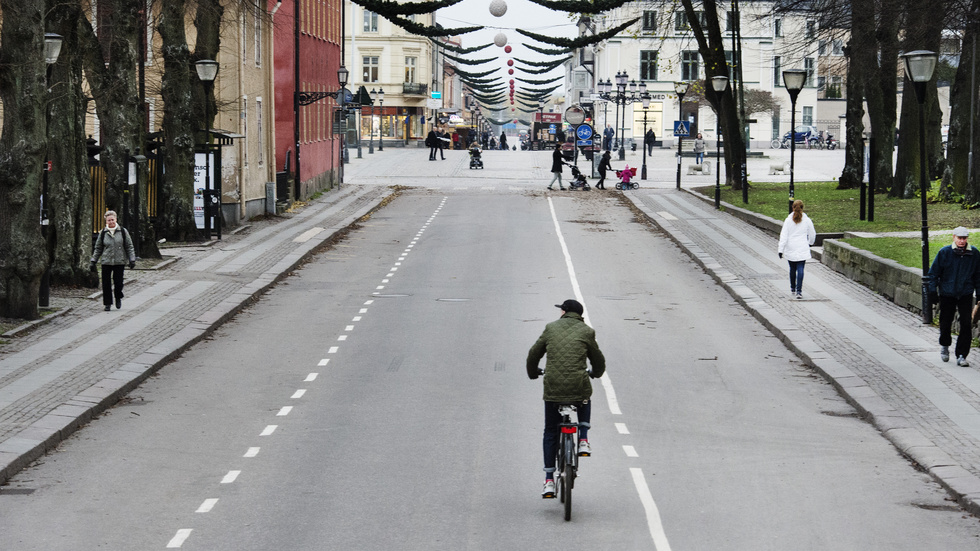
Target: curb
{"type": "Point", "coordinates": [960, 483]}
{"type": "Point", "coordinates": [37, 439]}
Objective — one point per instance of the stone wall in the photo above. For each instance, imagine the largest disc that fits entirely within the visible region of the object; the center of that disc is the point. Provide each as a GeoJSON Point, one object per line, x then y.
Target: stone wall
{"type": "Point", "coordinates": [900, 284]}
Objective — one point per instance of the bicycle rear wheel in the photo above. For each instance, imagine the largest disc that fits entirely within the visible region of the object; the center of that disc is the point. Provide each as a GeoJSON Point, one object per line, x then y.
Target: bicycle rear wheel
{"type": "Point", "coordinates": [568, 475]}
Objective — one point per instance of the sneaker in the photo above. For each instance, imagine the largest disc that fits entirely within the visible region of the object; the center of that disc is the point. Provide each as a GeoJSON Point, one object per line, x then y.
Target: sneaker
{"type": "Point", "coordinates": [961, 361]}
{"type": "Point", "coordinates": [584, 449]}
{"type": "Point", "coordinates": [944, 353]}
{"type": "Point", "coordinates": [549, 491]}
{"type": "Point", "coordinates": [799, 295]}
{"type": "Point", "coordinates": [550, 188]}
{"type": "Point", "coordinates": [108, 307]}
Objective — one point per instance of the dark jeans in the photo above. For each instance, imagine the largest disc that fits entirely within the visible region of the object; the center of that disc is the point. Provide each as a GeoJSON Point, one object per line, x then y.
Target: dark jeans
{"type": "Point", "coordinates": [601, 183]}
{"type": "Point", "coordinates": [796, 275]}
{"type": "Point", "coordinates": [432, 153]}
{"type": "Point", "coordinates": [112, 276]}
{"type": "Point", "coordinates": [551, 420]}
{"type": "Point", "coordinates": [948, 308]}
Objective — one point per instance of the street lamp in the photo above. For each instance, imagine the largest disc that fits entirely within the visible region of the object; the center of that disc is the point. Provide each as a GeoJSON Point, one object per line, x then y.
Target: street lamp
{"type": "Point", "coordinates": [680, 88]}
{"type": "Point", "coordinates": [919, 66]}
{"type": "Point", "coordinates": [207, 70]}
{"type": "Point", "coordinates": [381, 126]}
{"type": "Point", "coordinates": [342, 76]}
{"type": "Point", "coordinates": [537, 133]}
{"type": "Point", "coordinates": [52, 48]}
{"type": "Point", "coordinates": [718, 84]}
{"type": "Point", "coordinates": [621, 98]}
{"type": "Point", "coordinates": [374, 97]}
{"type": "Point", "coordinates": [793, 79]}
{"type": "Point", "coordinates": [645, 98]}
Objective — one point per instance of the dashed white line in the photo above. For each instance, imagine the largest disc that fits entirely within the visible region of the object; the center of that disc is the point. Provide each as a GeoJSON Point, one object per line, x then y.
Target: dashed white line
{"type": "Point", "coordinates": [298, 394]}
{"type": "Point", "coordinates": [230, 477]}
{"type": "Point", "coordinates": [630, 451]}
{"type": "Point", "coordinates": [362, 311]}
{"type": "Point", "coordinates": [269, 430]}
{"type": "Point", "coordinates": [356, 318]}
{"type": "Point", "coordinates": [284, 411]}
{"type": "Point", "coordinates": [312, 376]}
{"type": "Point", "coordinates": [252, 452]}
{"type": "Point", "coordinates": [342, 338]}
{"type": "Point", "coordinates": [177, 541]}
{"type": "Point", "coordinates": [349, 327]}
{"type": "Point", "coordinates": [369, 302]}
{"type": "Point", "coordinates": [323, 362]}
{"type": "Point", "coordinates": [621, 428]}
{"type": "Point", "coordinates": [333, 349]}
{"type": "Point", "coordinates": [207, 505]}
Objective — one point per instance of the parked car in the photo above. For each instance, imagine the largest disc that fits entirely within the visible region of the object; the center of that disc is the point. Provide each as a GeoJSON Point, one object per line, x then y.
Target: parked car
{"type": "Point", "coordinates": [802, 134]}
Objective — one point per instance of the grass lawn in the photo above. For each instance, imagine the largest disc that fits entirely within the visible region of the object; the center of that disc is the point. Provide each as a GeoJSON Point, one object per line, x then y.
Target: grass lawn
{"type": "Point", "coordinates": [836, 211]}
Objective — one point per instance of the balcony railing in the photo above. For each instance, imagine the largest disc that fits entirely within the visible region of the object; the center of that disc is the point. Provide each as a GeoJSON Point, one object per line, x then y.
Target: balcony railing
{"type": "Point", "coordinates": [414, 89]}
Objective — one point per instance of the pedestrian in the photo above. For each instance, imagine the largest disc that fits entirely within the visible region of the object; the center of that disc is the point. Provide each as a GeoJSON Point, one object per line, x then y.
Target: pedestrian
{"type": "Point", "coordinates": [486, 139]}
{"type": "Point", "coordinates": [431, 141]}
{"type": "Point", "coordinates": [441, 143]}
{"type": "Point", "coordinates": [557, 160]}
{"type": "Point", "coordinates": [503, 141]}
{"type": "Point", "coordinates": [607, 137]}
{"type": "Point", "coordinates": [649, 139]}
{"type": "Point", "coordinates": [794, 243]}
{"type": "Point", "coordinates": [627, 175]}
{"type": "Point", "coordinates": [568, 342]}
{"type": "Point", "coordinates": [698, 149]}
{"type": "Point", "coordinates": [954, 279]}
{"type": "Point", "coordinates": [603, 166]}
{"type": "Point", "coordinates": [115, 248]}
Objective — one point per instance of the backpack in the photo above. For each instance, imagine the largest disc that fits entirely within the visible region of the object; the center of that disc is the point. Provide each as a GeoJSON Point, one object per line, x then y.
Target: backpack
{"type": "Point", "coordinates": [103, 232]}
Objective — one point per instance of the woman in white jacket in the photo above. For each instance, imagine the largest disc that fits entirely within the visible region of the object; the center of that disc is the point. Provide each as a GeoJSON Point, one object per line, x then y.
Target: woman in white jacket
{"type": "Point", "coordinates": [794, 242]}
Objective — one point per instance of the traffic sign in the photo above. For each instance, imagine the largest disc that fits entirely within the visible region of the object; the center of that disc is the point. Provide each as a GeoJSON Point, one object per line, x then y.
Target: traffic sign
{"type": "Point", "coordinates": [551, 128]}
{"type": "Point", "coordinates": [574, 115]}
{"type": "Point", "coordinates": [584, 132]}
{"type": "Point", "coordinates": [682, 128]}
{"type": "Point", "coordinates": [584, 142]}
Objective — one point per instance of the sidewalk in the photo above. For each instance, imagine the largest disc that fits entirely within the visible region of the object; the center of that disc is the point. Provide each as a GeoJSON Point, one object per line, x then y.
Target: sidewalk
{"type": "Point", "coordinates": [59, 375]}
{"type": "Point", "coordinates": [880, 357]}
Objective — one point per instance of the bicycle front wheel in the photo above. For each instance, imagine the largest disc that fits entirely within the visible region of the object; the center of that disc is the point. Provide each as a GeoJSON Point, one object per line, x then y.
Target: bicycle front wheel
{"type": "Point", "coordinates": [568, 475]}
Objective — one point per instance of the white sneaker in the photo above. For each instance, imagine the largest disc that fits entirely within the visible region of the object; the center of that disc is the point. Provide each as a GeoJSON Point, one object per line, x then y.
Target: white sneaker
{"type": "Point", "coordinates": [584, 449]}
{"type": "Point", "coordinates": [961, 361]}
{"type": "Point", "coordinates": [549, 491]}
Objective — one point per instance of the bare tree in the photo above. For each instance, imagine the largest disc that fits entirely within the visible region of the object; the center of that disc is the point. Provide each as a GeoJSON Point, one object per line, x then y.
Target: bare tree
{"type": "Point", "coordinates": [958, 175]}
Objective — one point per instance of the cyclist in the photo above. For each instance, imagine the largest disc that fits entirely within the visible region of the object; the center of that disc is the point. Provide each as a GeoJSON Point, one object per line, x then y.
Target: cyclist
{"type": "Point", "coordinates": [568, 342]}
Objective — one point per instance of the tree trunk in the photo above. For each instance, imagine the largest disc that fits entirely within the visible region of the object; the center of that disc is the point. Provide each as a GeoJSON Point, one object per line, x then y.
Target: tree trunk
{"type": "Point", "coordinates": [853, 173]}
{"type": "Point", "coordinates": [22, 90]}
{"type": "Point", "coordinates": [962, 97]}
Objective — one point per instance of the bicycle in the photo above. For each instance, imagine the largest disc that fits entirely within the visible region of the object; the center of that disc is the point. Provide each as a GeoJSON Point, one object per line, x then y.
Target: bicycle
{"type": "Point", "coordinates": [567, 461]}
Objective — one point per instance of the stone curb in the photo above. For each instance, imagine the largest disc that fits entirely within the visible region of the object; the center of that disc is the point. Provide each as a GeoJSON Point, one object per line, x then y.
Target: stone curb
{"type": "Point", "coordinates": [959, 482]}
{"type": "Point", "coordinates": [45, 434]}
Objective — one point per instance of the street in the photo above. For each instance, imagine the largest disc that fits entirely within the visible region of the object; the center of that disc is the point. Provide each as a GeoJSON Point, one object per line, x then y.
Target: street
{"type": "Point", "coordinates": [377, 399]}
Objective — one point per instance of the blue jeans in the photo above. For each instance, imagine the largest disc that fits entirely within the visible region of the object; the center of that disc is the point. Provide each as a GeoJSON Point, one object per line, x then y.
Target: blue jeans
{"type": "Point", "coordinates": [551, 420]}
{"type": "Point", "coordinates": [699, 157]}
{"type": "Point", "coordinates": [796, 275]}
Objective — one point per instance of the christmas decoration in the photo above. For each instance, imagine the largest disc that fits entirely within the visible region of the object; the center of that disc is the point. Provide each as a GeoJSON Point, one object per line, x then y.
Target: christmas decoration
{"type": "Point", "coordinates": [508, 49]}
{"type": "Point", "coordinates": [500, 40]}
{"type": "Point", "coordinates": [580, 41]}
{"type": "Point", "coordinates": [498, 8]}
{"type": "Point", "coordinates": [549, 81]}
{"type": "Point", "coordinates": [548, 51]}
{"type": "Point", "coordinates": [581, 6]}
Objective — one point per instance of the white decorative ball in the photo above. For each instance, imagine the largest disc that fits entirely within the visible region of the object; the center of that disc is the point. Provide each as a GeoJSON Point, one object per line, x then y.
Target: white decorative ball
{"type": "Point", "coordinates": [500, 40]}
{"type": "Point", "coordinates": [498, 8]}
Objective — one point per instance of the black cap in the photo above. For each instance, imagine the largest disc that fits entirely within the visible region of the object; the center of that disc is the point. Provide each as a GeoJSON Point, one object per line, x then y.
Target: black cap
{"type": "Point", "coordinates": [572, 306]}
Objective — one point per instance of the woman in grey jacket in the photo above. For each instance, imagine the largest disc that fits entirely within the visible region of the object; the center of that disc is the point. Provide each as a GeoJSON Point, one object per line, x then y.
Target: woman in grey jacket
{"type": "Point", "coordinates": [115, 248]}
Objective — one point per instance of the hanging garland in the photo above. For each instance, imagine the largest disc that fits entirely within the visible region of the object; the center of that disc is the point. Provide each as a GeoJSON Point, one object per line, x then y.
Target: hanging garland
{"type": "Point", "coordinates": [459, 50]}
{"type": "Point", "coordinates": [421, 30]}
{"type": "Point", "coordinates": [479, 81]}
{"type": "Point", "coordinates": [489, 99]}
{"type": "Point", "coordinates": [469, 61]}
{"type": "Point", "coordinates": [529, 81]}
{"type": "Point", "coordinates": [466, 74]}
{"type": "Point", "coordinates": [388, 7]}
{"type": "Point", "coordinates": [548, 51]}
{"type": "Point", "coordinates": [551, 64]}
{"type": "Point", "coordinates": [581, 6]}
{"type": "Point", "coordinates": [537, 71]}
{"type": "Point", "coordinates": [581, 41]}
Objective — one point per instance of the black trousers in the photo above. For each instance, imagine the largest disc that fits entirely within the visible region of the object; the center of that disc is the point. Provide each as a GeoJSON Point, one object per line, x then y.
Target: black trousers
{"type": "Point", "coordinates": [948, 308]}
{"type": "Point", "coordinates": [432, 153]}
{"type": "Point", "coordinates": [112, 283]}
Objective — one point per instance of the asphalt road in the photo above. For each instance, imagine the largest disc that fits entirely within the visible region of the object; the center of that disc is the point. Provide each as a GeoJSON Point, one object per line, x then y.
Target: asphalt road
{"type": "Point", "coordinates": [377, 399]}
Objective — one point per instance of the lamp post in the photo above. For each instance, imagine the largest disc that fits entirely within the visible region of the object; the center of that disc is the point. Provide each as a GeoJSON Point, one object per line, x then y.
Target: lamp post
{"type": "Point", "coordinates": [374, 97]}
{"type": "Point", "coordinates": [342, 76]}
{"type": "Point", "coordinates": [381, 126]}
{"type": "Point", "coordinates": [621, 98]}
{"type": "Point", "coordinates": [680, 88]}
{"type": "Point", "coordinates": [207, 70]}
{"type": "Point", "coordinates": [718, 84]}
{"type": "Point", "coordinates": [537, 133]}
{"type": "Point", "coordinates": [52, 49]}
{"type": "Point", "coordinates": [645, 98]}
{"type": "Point", "coordinates": [919, 66]}
{"type": "Point", "coordinates": [793, 79]}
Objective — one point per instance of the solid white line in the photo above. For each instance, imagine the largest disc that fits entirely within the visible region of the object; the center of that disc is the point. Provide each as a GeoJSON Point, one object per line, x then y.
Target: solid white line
{"type": "Point", "coordinates": [621, 427]}
{"type": "Point", "coordinates": [269, 430]}
{"type": "Point", "coordinates": [207, 505]}
{"type": "Point", "coordinates": [177, 541]}
{"type": "Point", "coordinates": [610, 395]}
{"type": "Point", "coordinates": [230, 477]}
{"type": "Point", "coordinates": [252, 452]}
{"type": "Point", "coordinates": [630, 451]}
{"type": "Point", "coordinates": [284, 411]}
{"type": "Point", "coordinates": [653, 514]}
{"type": "Point", "coordinates": [298, 394]}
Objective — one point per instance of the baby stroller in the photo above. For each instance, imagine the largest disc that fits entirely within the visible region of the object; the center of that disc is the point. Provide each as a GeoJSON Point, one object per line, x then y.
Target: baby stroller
{"type": "Point", "coordinates": [578, 180]}
{"type": "Point", "coordinates": [476, 159]}
{"type": "Point", "coordinates": [625, 176]}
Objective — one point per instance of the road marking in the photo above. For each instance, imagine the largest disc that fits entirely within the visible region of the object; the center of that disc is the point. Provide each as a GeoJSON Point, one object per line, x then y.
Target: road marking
{"type": "Point", "coordinates": [653, 514]}
{"type": "Point", "coordinates": [621, 427]}
{"type": "Point", "coordinates": [252, 452]}
{"type": "Point", "coordinates": [333, 350]}
{"type": "Point", "coordinates": [230, 477]}
{"type": "Point", "coordinates": [284, 411]}
{"type": "Point", "coordinates": [269, 430]}
{"type": "Point", "coordinates": [630, 451]}
{"type": "Point", "coordinates": [356, 318]}
{"type": "Point", "coordinates": [177, 541]}
{"type": "Point", "coordinates": [350, 327]}
{"type": "Point", "coordinates": [342, 338]}
{"type": "Point", "coordinates": [312, 376]}
{"type": "Point", "coordinates": [369, 302]}
{"type": "Point", "coordinates": [207, 505]}
{"type": "Point", "coordinates": [298, 394]}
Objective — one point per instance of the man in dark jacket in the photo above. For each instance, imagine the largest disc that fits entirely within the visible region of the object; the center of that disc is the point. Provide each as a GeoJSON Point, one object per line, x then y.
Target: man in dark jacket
{"type": "Point", "coordinates": [430, 141]}
{"type": "Point", "coordinates": [954, 278]}
{"type": "Point", "coordinates": [568, 342]}
{"type": "Point", "coordinates": [557, 160]}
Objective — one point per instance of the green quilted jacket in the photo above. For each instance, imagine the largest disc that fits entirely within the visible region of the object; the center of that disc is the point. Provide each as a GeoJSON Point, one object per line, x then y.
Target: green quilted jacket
{"type": "Point", "coordinates": [567, 341]}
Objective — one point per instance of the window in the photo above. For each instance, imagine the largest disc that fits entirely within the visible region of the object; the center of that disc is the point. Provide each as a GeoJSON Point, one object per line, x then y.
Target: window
{"type": "Point", "coordinates": [370, 22]}
{"type": "Point", "coordinates": [648, 65]}
{"type": "Point", "coordinates": [681, 23]}
{"type": "Point", "coordinates": [811, 29]}
{"type": "Point", "coordinates": [777, 71]}
{"type": "Point", "coordinates": [811, 69]}
{"type": "Point", "coordinates": [370, 69]}
{"type": "Point", "coordinates": [689, 65]}
{"type": "Point", "coordinates": [821, 82]}
{"type": "Point", "coordinates": [244, 115]}
{"type": "Point", "coordinates": [258, 130]}
{"type": "Point", "coordinates": [808, 115]}
{"type": "Point", "coordinates": [257, 21]}
{"type": "Point", "coordinates": [649, 21]}
{"type": "Point", "coordinates": [777, 27]}
{"type": "Point", "coordinates": [730, 64]}
{"type": "Point", "coordinates": [775, 123]}
{"type": "Point", "coordinates": [730, 22]}
{"type": "Point", "coordinates": [838, 48]}
{"type": "Point", "coordinates": [410, 63]}
{"type": "Point", "coordinates": [821, 47]}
